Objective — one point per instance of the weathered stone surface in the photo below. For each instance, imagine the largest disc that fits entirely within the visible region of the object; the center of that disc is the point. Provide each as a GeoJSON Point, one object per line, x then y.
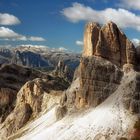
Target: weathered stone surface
{"type": "Point", "coordinates": [110, 43]}
{"type": "Point", "coordinates": [138, 57]}
{"type": "Point", "coordinates": [60, 112]}
{"type": "Point", "coordinates": [98, 79]}
{"type": "Point", "coordinates": [36, 96]}
{"type": "Point", "coordinates": [7, 97]}
{"type": "Point", "coordinates": [106, 51]}
{"type": "Point", "coordinates": [64, 71]}
{"type": "Point", "coordinates": [12, 78]}
{"type": "Point", "coordinates": [33, 92]}
{"type": "Point", "coordinates": [134, 102]}
{"type": "Point", "coordinates": [91, 38]}
{"type": "Point", "coordinates": [22, 114]}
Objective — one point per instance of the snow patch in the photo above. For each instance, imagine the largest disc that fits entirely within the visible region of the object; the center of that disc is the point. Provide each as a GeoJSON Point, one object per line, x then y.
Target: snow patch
{"type": "Point", "coordinates": [108, 120]}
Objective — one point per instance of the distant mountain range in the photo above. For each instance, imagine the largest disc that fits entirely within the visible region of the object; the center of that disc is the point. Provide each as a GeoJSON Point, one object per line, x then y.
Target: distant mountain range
{"type": "Point", "coordinates": [37, 56]}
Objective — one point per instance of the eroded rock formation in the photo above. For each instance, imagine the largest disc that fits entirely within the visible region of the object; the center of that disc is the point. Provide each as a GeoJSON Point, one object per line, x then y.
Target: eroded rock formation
{"type": "Point", "coordinates": [99, 79]}
{"type": "Point", "coordinates": [138, 56]}
{"type": "Point", "coordinates": [106, 51]}
{"type": "Point", "coordinates": [108, 42]}
{"type": "Point", "coordinates": [64, 71]}
{"type": "Point", "coordinates": [107, 69]}
{"type": "Point", "coordinates": [12, 78]}
{"type": "Point", "coordinates": [107, 55]}
{"type": "Point", "coordinates": [35, 96]}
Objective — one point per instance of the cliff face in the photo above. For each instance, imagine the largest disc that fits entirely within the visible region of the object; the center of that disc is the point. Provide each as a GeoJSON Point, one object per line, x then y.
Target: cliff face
{"type": "Point", "coordinates": [12, 78]}
{"type": "Point", "coordinates": [62, 70]}
{"type": "Point", "coordinates": [138, 56]}
{"type": "Point", "coordinates": [98, 79]}
{"type": "Point", "coordinates": [108, 80]}
{"type": "Point", "coordinates": [108, 42]}
{"type": "Point", "coordinates": [36, 96]}
{"type": "Point", "coordinates": [30, 59]}
{"type": "Point", "coordinates": [107, 55]}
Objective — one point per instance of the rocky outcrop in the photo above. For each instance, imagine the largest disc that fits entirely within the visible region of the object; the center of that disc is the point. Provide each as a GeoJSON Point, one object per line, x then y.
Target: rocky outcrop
{"type": "Point", "coordinates": [64, 71]}
{"type": "Point", "coordinates": [98, 80]}
{"type": "Point", "coordinates": [22, 114]}
{"type": "Point", "coordinates": [7, 98]}
{"type": "Point", "coordinates": [34, 97]}
{"type": "Point", "coordinates": [12, 78]}
{"type": "Point", "coordinates": [138, 57]}
{"type": "Point", "coordinates": [133, 103]}
{"type": "Point", "coordinates": [107, 55]}
{"type": "Point", "coordinates": [110, 43]}
{"type": "Point", "coordinates": [107, 52]}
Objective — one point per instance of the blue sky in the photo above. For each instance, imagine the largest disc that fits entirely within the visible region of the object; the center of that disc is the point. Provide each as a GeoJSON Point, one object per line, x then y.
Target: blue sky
{"type": "Point", "coordinates": [60, 23]}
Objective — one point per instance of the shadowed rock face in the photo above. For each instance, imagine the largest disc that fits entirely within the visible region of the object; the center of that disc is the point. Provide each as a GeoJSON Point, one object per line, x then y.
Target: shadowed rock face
{"type": "Point", "coordinates": [138, 56]}
{"type": "Point", "coordinates": [35, 96]}
{"type": "Point", "coordinates": [64, 71]}
{"type": "Point", "coordinates": [108, 42]}
{"type": "Point", "coordinates": [12, 78]}
{"type": "Point", "coordinates": [98, 79]}
{"type": "Point", "coordinates": [106, 51]}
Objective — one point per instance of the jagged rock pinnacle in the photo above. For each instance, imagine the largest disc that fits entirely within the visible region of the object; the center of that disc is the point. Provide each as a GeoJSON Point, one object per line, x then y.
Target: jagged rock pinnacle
{"type": "Point", "coordinates": [108, 42]}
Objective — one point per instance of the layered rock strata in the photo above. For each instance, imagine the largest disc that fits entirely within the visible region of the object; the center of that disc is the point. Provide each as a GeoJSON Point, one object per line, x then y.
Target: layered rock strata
{"type": "Point", "coordinates": [12, 78]}
{"type": "Point", "coordinates": [108, 42]}
{"type": "Point", "coordinates": [36, 96]}
{"type": "Point", "coordinates": [107, 55]}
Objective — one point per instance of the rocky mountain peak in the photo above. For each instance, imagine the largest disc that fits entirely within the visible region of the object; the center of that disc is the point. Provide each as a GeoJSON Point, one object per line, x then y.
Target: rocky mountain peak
{"type": "Point", "coordinates": [99, 82]}
{"type": "Point", "coordinates": [108, 42]}
{"type": "Point", "coordinates": [106, 51]}
{"type": "Point", "coordinates": [91, 32]}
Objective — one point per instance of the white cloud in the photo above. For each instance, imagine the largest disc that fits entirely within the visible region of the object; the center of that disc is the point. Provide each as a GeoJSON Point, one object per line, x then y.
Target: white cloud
{"type": "Point", "coordinates": [79, 43]}
{"type": "Point", "coordinates": [62, 49]}
{"type": "Point", "coordinates": [123, 18]}
{"type": "Point", "coordinates": [33, 46]}
{"type": "Point", "coordinates": [8, 34]}
{"type": "Point", "coordinates": [130, 4]}
{"type": "Point", "coordinates": [33, 38]}
{"type": "Point", "coordinates": [8, 19]}
{"type": "Point", "coordinates": [136, 42]}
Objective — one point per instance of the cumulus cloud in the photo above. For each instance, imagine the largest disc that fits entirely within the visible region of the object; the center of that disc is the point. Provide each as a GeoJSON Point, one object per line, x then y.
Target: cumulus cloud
{"type": "Point", "coordinates": [123, 18]}
{"type": "Point", "coordinates": [136, 42]}
{"type": "Point", "coordinates": [8, 34]}
{"type": "Point", "coordinates": [33, 38]}
{"type": "Point", "coordinates": [62, 49]}
{"type": "Point", "coordinates": [33, 46]}
{"type": "Point", "coordinates": [8, 19]}
{"type": "Point", "coordinates": [79, 43]}
{"type": "Point", "coordinates": [130, 4]}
